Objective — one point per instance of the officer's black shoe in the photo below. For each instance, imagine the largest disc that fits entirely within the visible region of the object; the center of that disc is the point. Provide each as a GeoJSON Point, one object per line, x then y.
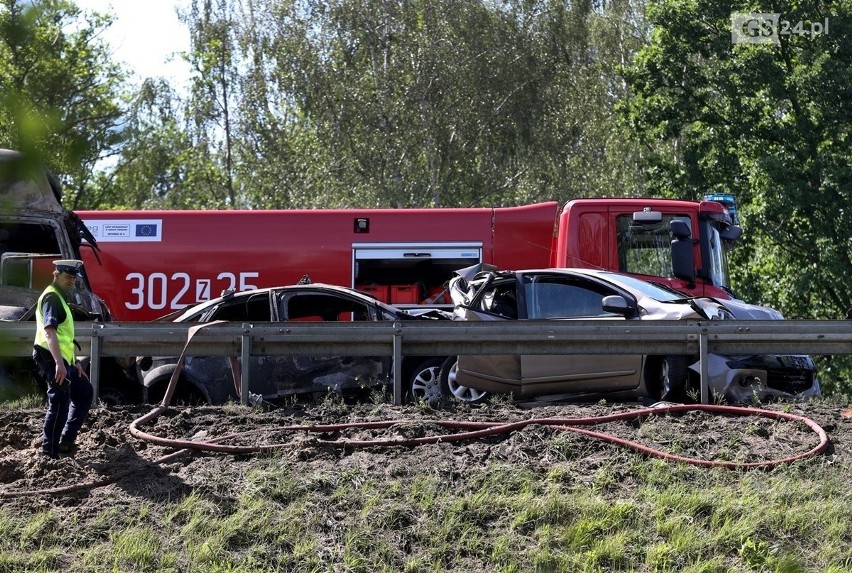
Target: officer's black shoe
{"type": "Point", "coordinates": [67, 448]}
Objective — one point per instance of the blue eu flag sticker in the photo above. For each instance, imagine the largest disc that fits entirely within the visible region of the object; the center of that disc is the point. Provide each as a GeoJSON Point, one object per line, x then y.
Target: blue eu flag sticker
{"type": "Point", "coordinates": [146, 230]}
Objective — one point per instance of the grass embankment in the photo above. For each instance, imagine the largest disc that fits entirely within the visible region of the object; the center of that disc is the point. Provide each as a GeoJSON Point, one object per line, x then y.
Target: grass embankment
{"type": "Point", "coordinates": [621, 513]}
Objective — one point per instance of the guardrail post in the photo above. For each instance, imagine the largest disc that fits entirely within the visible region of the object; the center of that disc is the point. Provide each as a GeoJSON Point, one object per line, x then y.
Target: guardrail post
{"type": "Point", "coordinates": [397, 364]}
{"type": "Point", "coordinates": [244, 367]}
{"type": "Point", "coordinates": [95, 363]}
{"type": "Point", "coordinates": [705, 372]}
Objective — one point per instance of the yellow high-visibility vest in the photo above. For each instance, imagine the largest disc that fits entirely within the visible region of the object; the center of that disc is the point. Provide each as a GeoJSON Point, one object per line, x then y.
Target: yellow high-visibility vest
{"type": "Point", "coordinates": [64, 331]}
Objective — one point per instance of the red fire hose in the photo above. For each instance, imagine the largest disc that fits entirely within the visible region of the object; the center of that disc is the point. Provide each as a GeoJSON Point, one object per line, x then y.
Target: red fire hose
{"type": "Point", "coordinates": [475, 430]}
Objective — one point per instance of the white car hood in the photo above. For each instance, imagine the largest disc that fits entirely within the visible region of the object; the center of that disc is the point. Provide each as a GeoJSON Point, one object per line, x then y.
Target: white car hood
{"type": "Point", "coordinates": [705, 308]}
{"type": "Point", "coordinates": [713, 309]}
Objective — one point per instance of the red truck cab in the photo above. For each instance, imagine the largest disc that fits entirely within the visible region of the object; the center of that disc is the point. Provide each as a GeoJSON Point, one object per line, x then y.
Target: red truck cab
{"type": "Point", "coordinates": [681, 244]}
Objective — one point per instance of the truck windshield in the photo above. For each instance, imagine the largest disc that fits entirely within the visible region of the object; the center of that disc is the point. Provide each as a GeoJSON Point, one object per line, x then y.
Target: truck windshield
{"type": "Point", "coordinates": [717, 266]}
{"type": "Point", "coordinates": [645, 249]}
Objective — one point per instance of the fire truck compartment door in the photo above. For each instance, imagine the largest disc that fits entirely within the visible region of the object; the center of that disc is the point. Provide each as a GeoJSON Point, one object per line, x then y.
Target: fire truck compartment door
{"type": "Point", "coordinates": [465, 252]}
{"type": "Point", "coordinates": [418, 269]}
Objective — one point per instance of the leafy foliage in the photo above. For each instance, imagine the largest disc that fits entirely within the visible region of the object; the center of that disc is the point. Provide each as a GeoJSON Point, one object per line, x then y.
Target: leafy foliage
{"type": "Point", "coordinates": [766, 122]}
{"type": "Point", "coordinates": [434, 103]}
{"type": "Point", "coordinates": [59, 89]}
{"type": "Point", "coordinates": [425, 103]}
{"type": "Point", "coordinates": [769, 122]}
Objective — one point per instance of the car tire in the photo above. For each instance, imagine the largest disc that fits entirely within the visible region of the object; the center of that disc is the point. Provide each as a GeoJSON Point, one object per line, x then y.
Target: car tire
{"type": "Point", "coordinates": [671, 378]}
{"type": "Point", "coordinates": [185, 393]}
{"type": "Point", "coordinates": [451, 390]}
{"type": "Point", "coordinates": [424, 381]}
{"type": "Point", "coordinates": [112, 396]}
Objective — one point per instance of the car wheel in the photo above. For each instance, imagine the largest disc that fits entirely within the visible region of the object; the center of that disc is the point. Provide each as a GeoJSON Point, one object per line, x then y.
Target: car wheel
{"type": "Point", "coordinates": [112, 396]}
{"type": "Point", "coordinates": [671, 378]}
{"type": "Point", "coordinates": [185, 394]}
{"type": "Point", "coordinates": [451, 389]}
{"type": "Point", "coordinates": [424, 383]}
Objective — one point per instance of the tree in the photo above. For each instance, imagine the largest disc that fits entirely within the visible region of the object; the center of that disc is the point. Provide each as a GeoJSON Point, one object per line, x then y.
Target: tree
{"type": "Point", "coordinates": [377, 103]}
{"type": "Point", "coordinates": [60, 89]}
{"type": "Point", "coordinates": [157, 167]}
{"type": "Point", "coordinates": [399, 94]}
{"type": "Point", "coordinates": [180, 149]}
{"type": "Point", "coordinates": [766, 122]}
{"type": "Point", "coordinates": [214, 88]}
{"type": "Point", "coordinates": [769, 122]}
{"type": "Point", "coordinates": [461, 103]}
{"type": "Point", "coordinates": [579, 146]}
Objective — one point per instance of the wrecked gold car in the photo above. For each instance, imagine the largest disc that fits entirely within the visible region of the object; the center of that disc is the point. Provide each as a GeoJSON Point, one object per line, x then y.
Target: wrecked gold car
{"type": "Point", "coordinates": [571, 294]}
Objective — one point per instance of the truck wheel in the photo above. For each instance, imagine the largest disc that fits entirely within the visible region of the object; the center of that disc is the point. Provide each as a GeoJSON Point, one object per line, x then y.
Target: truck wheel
{"type": "Point", "coordinates": [450, 389]}
{"type": "Point", "coordinates": [671, 378]}
{"type": "Point", "coordinates": [424, 382]}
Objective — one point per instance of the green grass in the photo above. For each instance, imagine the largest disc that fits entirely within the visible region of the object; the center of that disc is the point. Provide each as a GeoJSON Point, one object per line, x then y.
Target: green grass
{"type": "Point", "coordinates": [630, 514]}
{"type": "Point", "coordinates": [500, 518]}
{"type": "Point", "coordinates": [17, 401]}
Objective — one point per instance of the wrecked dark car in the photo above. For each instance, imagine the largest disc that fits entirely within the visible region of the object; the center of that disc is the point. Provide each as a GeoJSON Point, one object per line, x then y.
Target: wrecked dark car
{"type": "Point", "coordinates": [208, 379]}
{"type": "Point", "coordinates": [568, 294]}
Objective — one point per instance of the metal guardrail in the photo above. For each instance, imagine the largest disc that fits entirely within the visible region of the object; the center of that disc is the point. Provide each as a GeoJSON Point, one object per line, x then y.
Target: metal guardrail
{"type": "Point", "coordinates": [398, 339]}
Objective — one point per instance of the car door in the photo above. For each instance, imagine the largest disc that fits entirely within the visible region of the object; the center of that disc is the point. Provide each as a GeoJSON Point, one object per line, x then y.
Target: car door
{"type": "Point", "coordinates": [572, 297]}
{"type": "Point", "coordinates": [497, 302]}
{"type": "Point", "coordinates": [215, 372]}
{"type": "Point", "coordinates": [286, 375]}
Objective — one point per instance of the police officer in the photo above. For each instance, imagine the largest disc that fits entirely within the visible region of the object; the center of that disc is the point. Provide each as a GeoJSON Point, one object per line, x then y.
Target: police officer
{"type": "Point", "coordinates": [69, 392]}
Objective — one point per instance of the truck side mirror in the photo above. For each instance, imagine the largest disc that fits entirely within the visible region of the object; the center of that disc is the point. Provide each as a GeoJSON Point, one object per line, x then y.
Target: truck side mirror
{"type": "Point", "coordinates": [683, 258]}
{"type": "Point", "coordinates": [731, 233]}
{"type": "Point", "coordinates": [680, 230]}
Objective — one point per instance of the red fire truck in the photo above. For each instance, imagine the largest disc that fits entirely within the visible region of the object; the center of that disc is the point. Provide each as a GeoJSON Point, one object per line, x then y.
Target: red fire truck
{"type": "Point", "coordinates": [151, 263]}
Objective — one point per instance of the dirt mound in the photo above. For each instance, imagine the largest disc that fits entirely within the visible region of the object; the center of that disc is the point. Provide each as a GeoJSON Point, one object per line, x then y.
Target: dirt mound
{"type": "Point", "coordinates": [113, 467]}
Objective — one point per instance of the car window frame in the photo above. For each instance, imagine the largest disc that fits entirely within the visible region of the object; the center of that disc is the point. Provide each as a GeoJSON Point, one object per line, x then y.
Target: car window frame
{"type": "Point", "coordinates": [585, 281]}
{"type": "Point", "coordinates": [282, 303]}
{"type": "Point", "coordinates": [244, 298]}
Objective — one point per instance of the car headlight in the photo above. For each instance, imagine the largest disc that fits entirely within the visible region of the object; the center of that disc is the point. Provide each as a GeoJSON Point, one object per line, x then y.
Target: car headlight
{"type": "Point", "coordinates": [722, 313]}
